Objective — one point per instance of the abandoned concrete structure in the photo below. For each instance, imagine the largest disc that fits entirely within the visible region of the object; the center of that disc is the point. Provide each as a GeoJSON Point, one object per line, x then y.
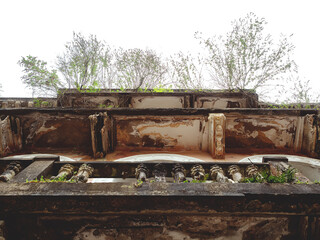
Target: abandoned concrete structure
{"type": "Point", "coordinates": [129, 165]}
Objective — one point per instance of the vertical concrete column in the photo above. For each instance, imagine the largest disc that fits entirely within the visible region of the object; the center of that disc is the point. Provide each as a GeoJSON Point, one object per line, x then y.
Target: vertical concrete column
{"type": "Point", "coordinates": [298, 140]}
{"type": "Point", "coordinates": [217, 126]}
{"type": "Point", "coordinates": [10, 135]}
{"type": "Point", "coordinates": [99, 134]}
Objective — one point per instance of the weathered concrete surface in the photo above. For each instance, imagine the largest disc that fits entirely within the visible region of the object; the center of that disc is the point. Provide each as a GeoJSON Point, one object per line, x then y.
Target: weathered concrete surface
{"type": "Point", "coordinates": [258, 131]}
{"type": "Point", "coordinates": [149, 99]}
{"type": "Point", "coordinates": [164, 227]}
{"type": "Point", "coordinates": [247, 130]}
{"type": "Point", "coordinates": [28, 103]}
{"type": "Point", "coordinates": [59, 131]}
{"type": "Point", "coordinates": [156, 210]}
{"type": "Point", "coordinates": [87, 101]}
{"type": "Point", "coordinates": [102, 134]}
{"type": "Point", "coordinates": [220, 102]}
{"type": "Point", "coordinates": [160, 210]}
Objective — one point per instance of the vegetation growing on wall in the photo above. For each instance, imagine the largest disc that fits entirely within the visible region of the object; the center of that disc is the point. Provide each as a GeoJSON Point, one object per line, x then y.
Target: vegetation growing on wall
{"type": "Point", "coordinates": [287, 176]}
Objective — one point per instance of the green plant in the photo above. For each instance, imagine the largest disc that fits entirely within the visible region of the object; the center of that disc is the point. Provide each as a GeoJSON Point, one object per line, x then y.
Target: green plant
{"type": "Point", "coordinates": [102, 106]}
{"type": "Point", "coordinates": [287, 176]}
{"type": "Point", "coordinates": [38, 77]}
{"type": "Point", "coordinates": [138, 183]}
{"type": "Point", "coordinates": [37, 102]}
{"type": "Point", "coordinates": [45, 180]}
{"type": "Point", "coordinates": [206, 176]}
{"type": "Point", "coordinates": [161, 88]}
{"type": "Point", "coordinates": [45, 103]}
{"type": "Point", "coordinates": [85, 65]}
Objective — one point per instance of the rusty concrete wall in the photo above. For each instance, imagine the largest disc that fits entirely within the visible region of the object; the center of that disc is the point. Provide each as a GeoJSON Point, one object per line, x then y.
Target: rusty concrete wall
{"type": "Point", "coordinates": [162, 132]}
{"type": "Point", "coordinates": [261, 131]}
{"type": "Point", "coordinates": [244, 131]}
{"type": "Point", "coordinates": [175, 99]}
{"type": "Point", "coordinates": [191, 133]}
{"type": "Point", "coordinates": [10, 135]}
{"type": "Point", "coordinates": [83, 101]}
{"type": "Point", "coordinates": [56, 131]}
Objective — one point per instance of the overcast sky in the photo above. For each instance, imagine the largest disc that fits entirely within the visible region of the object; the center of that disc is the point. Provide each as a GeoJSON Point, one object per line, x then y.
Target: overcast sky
{"type": "Point", "coordinates": [41, 28]}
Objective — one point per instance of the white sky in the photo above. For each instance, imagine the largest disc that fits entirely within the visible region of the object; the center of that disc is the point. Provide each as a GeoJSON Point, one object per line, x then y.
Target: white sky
{"type": "Point", "coordinates": [41, 28]}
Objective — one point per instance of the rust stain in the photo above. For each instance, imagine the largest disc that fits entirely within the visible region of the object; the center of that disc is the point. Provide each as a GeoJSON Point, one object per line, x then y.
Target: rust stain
{"type": "Point", "coordinates": [122, 134]}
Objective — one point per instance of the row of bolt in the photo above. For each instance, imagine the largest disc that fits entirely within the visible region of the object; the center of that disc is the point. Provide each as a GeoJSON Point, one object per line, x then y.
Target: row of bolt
{"type": "Point", "coordinates": [197, 173]}
{"type": "Point", "coordinates": [66, 172]}
{"type": "Point", "coordinates": [85, 171]}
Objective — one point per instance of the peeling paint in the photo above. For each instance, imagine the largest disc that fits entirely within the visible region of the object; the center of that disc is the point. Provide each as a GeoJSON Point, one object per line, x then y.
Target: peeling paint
{"type": "Point", "coordinates": [261, 131]}
{"type": "Point", "coordinates": [173, 133]}
{"type": "Point", "coordinates": [219, 102]}
{"type": "Point", "coordinates": [43, 129]}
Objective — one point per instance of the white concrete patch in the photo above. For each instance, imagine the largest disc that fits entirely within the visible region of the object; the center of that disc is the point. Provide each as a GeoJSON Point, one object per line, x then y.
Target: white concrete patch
{"type": "Point", "coordinates": [159, 157]}
{"type": "Point", "coordinates": [157, 102]}
{"type": "Point", "coordinates": [32, 156]}
{"type": "Point", "coordinates": [44, 129]}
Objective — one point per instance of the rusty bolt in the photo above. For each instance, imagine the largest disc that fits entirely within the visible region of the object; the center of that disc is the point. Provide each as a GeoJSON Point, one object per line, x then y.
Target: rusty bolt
{"type": "Point", "coordinates": [85, 171]}
{"type": "Point", "coordinates": [179, 173]}
{"type": "Point", "coordinates": [65, 171]}
{"type": "Point", "coordinates": [234, 172]}
{"type": "Point", "coordinates": [252, 170]}
{"type": "Point", "coordinates": [142, 172]}
{"type": "Point", "coordinates": [197, 172]}
{"type": "Point", "coordinates": [11, 170]}
{"type": "Point", "coordinates": [159, 172]}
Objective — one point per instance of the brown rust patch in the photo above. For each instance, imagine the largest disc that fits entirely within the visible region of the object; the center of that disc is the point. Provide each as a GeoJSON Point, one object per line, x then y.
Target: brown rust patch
{"type": "Point", "coordinates": [250, 127]}
{"type": "Point", "coordinates": [64, 133]}
{"type": "Point", "coordinates": [150, 142]}
{"type": "Point", "coordinates": [234, 140]}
